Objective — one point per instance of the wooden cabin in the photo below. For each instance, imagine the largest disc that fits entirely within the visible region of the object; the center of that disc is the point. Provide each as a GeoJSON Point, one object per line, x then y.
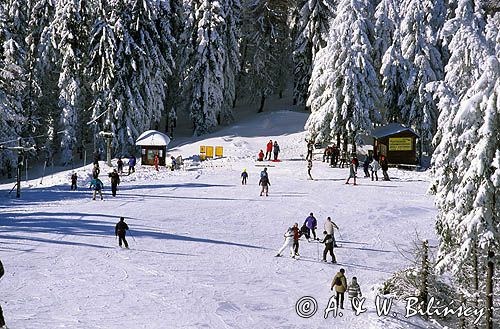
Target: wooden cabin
{"type": "Point", "coordinates": [153, 142]}
{"type": "Point", "coordinates": [397, 143]}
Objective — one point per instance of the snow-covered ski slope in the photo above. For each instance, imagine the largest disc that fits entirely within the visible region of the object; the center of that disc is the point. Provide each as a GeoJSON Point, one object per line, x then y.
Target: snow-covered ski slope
{"type": "Point", "coordinates": [203, 254]}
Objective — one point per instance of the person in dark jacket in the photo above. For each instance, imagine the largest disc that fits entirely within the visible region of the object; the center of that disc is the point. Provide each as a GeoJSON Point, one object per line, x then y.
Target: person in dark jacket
{"type": "Point", "coordinates": [131, 164]}
{"type": "Point", "coordinates": [339, 282]}
{"type": "Point", "coordinates": [328, 241]}
{"type": "Point", "coordinates": [120, 165]}
{"type": "Point", "coordinates": [276, 150]}
{"type": "Point", "coordinates": [96, 171]}
{"type": "Point", "coordinates": [74, 178]}
{"type": "Point", "coordinates": [384, 165]}
{"type": "Point", "coordinates": [264, 182]}
{"type": "Point", "coordinates": [244, 177]}
{"type": "Point", "coordinates": [296, 237]}
{"type": "Point", "coordinates": [366, 166]}
{"type": "Point", "coordinates": [305, 231]}
{"type": "Point", "coordinates": [310, 148]}
{"type": "Point", "coordinates": [115, 181]}
{"type": "Point", "coordinates": [120, 231]}
{"type": "Point", "coordinates": [309, 168]}
{"type": "Point", "coordinates": [2, 320]}
{"type": "Point", "coordinates": [311, 224]}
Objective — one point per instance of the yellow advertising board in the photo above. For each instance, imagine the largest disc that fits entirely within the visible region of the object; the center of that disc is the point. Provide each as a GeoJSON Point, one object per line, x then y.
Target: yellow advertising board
{"type": "Point", "coordinates": [210, 151]}
{"type": "Point", "coordinates": [401, 144]}
{"type": "Point", "coordinates": [219, 150]}
{"type": "Point", "coordinates": [202, 149]}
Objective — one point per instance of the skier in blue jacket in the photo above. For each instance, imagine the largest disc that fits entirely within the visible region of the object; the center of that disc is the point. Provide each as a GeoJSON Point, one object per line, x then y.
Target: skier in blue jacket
{"type": "Point", "coordinates": [311, 223]}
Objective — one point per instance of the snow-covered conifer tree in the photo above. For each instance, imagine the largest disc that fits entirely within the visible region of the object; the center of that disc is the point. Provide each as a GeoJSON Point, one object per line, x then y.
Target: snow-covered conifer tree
{"type": "Point", "coordinates": [311, 35]}
{"type": "Point", "coordinates": [345, 92]}
{"type": "Point", "coordinates": [387, 20]}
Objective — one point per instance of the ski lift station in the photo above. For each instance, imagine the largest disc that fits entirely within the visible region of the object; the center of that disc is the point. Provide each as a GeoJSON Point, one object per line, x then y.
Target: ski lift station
{"type": "Point", "coordinates": [153, 142]}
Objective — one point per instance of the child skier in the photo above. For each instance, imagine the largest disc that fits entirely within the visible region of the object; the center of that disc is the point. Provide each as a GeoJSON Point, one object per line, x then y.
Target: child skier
{"type": "Point", "coordinates": [328, 241]}
{"type": "Point", "coordinates": [244, 176]}
{"type": "Point", "coordinates": [97, 185]}
{"type": "Point", "coordinates": [354, 290]}
{"type": "Point", "coordinates": [296, 237]}
{"type": "Point", "coordinates": [74, 179]}
{"type": "Point", "coordinates": [120, 231]}
{"type": "Point", "coordinates": [288, 242]}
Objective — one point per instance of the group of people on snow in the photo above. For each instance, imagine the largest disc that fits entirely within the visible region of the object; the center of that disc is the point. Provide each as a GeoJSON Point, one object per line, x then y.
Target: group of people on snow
{"type": "Point", "coordinates": [271, 148]}
{"type": "Point", "coordinates": [263, 181]}
{"type": "Point", "coordinates": [293, 234]}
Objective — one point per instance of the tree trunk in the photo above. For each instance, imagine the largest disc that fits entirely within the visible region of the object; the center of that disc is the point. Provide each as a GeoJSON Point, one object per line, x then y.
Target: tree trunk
{"type": "Point", "coordinates": [489, 291]}
{"type": "Point", "coordinates": [338, 141]}
{"type": "Point", "coordinates": [262, 101]}
{"type": "Point", "coordinates": [425, 273]}
{"type": "Point", "coordinates": [353, 151]}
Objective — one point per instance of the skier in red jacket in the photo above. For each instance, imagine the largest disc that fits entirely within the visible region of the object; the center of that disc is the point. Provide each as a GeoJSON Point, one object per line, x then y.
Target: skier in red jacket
{"type": "Point", "coordinates": [269, 149]}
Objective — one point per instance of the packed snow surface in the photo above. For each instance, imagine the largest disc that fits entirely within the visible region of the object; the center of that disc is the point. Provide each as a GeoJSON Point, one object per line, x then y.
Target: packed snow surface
{"type": "Point", "coordinates": [202, 245]}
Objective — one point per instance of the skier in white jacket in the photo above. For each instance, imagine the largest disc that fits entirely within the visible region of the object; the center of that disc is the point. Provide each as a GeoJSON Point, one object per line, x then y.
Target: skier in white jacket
{"type": "Point", "coordinates": [375, 167]}
{"type": "Point", "coordinates": [288, 242]}
{"type": "Point", "coordinates": [329, 226]}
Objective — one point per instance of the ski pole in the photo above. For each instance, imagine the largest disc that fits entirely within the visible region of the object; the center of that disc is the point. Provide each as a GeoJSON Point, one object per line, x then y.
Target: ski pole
{"type": "Point", "coordinates": [129, 231]}
{"type": "Point", "coordinates": [341, 235]}
{"type": "Point", "coordinates": [317, 254]}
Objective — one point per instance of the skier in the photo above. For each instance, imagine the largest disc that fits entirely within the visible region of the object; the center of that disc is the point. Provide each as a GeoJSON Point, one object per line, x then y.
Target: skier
{"type": "Point", "coordinates": [244, 176]}
{"type": "Point", "coordinates": [260, 157]}
{"type": "Point", "coordinates": [328, 241]}
{"type": "Point", "coordinates": [264, 182]}
{"type": "Point", "coordinates": [311, 224]}
{"type": "Point", "coordinates": [385, 166]}
{"type": "Point", "coordinates": [310, 148]}
{"type": "Point", "coordinates": [96, 171]}
{"type": "Point", "coordinates": [156, 160]}
{"type": "Point", "coordinates": [309, 168]}
{"type": "Point", "coordinates": [328, 227]}
{"type": "Point", "coordinates": [339, 282]}
{"type": "Point", "coordinates": [327, 154]}
{"type": "Point", "coordinates": [366, 166]}
{"type": "Point", "coordinates": [375, 167]}
{"type": "Point", "coordinates": [2, 320]}
{"type": "Point", "coordinates": [97, 185]}
{"type": "Point", "coordinates": [354, 291]}
{"type": "Point", "coordinates": [288, 242]}
{"type": "Point", "coordinates": [296, 237]}
{"type": "Point", "coordinates": [264, 172]}
{"type": "Point", "coordinates": [120, 165]}
{"type": "Point", "coordinates": [269, 149]}
{"type": "Point", "coordinates": [120, 231]}
{"type": "Point", "coordinates": [276, 150]}
{"type": "Point", "coordinates": [352, 171]}
{"type": "Point", "coordinates": [74, 178]}
{"type": "Point", "coordinates": [131, 164]}
{"type": "Point", "coordinates": [174, 163]}
{"type": "Point", "coordinates": [115, 181]}
{"type": "Point", "coordinates": [305, 232]}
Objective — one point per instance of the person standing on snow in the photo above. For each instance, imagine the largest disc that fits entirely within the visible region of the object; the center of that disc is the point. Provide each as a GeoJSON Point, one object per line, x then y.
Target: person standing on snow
{"type": "Point", "coordinates": [74, 178]}
{"type": "Point", "coordinates": [288, 243]}
{"type": "Point", "coordinates": [120, 165]}
{"type": "Point", "coordinates": [97, 185]}
{"type": "Point", "coordinates": [120, 231]}
{"type": "Point", "coordinates": [264, 173]}
{"type": "Point", "coordinates": [328, 241]}
{"type": "Point", "coordinates": [276, 150]}
{"type": "Point", "coordinates": [352, 171]}
{"type": "Point", "coordinates": [156, 160]}
{"type": "Point", "coordinates": [131, 164]}
{"type": "Point", "coordinates": [269, 148]}
{"type": "Point", "coordinates": [354, 291]}
{"type": "Point", "coordinates": [310, 148]}
{"type": "Point", "coordinates": [2, 320]}
{"type": "Point", "coordinates": [115, 181]}
{"type": "Point", "coordinates": [244, 176]}
{"type": "Point", "coordinates": [296, 237]}
{"type": "Point", "coordinates": [366, 166]}
{"type": "Point", "coordinates": [311, 224]}
{"type": "Point", "coordinates": [339, 282]}
{"type": "Point", "coordinates": [385, 166]}
{"type": "Point", "coordinates": [264, 182]}
{"type": "Point", "coordinates": [328, 227]}
{"type": "Point", "coordinates": [309, 168]}
{"type": "Point", "coordinates": [375, 167]}
{"type": "Point", "coordinates": [174, 163]}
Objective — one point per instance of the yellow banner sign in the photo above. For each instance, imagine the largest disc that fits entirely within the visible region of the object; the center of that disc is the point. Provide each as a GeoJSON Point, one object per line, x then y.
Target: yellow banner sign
{"type": "Point", "coordinates": [219, 151]}
{"type": "Point", "coordinates": [401, 144]}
